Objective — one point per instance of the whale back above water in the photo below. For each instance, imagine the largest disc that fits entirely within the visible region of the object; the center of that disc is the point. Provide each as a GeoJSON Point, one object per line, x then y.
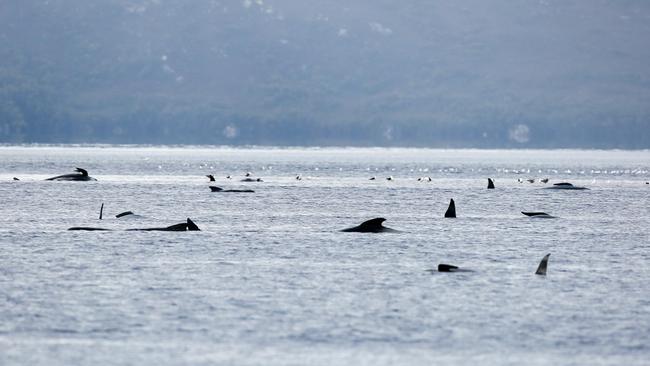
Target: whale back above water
{"type": "Point", "coordinates": [80, 176]}
{"type": "Point", "coordinates": [183, 226]}
{"type": "Point", "coordinates": [442, 267]}
{"type": "Point", "coordinates": [189, 225]}
{"type": "Point", "coordinates": [567, 186]}
{"type": "Point", "coordinates": [541, 269]}
{"type": "Point", "coordinates": [451, 210]}
{"type": "Point", "coordinates": [541, 215]}
{"type": "Point", "coordinates": [219, 189]}
{"type": "Point", "coordinates": [370, 226]}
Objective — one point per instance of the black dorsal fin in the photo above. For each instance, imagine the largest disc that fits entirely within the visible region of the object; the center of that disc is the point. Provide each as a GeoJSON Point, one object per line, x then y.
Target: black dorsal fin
{"type": "Point", "coordinates": [211, 177]}
{"type": "Point", "coordinates": [375, 223]}
{"type": "Point", "coordinates": [451, 210]}
{"type": "Point", "coordinates": [541, 269]}
{"type": "Point", "coordinates": [101, 211]}
{"type": "Point", "coordinates": [490, 183]}
{"type": "Point", "coordinates": [83, 172]}
{"type": "Point", "coordinates": [216, 189]}
{"type": "Point", "coordinates": [191, 226]}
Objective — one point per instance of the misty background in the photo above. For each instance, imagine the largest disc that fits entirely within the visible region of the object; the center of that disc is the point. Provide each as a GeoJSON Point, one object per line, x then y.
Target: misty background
{"type": "Point", "coordinates": [448, 73]}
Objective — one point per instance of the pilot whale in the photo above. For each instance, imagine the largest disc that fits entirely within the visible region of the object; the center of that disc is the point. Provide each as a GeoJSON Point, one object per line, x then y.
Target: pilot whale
{"type": "Point", "coordinates": [451, 210]}
{"type": "Point", "coordinates": [219, 189]}
{"type": "Point", "coordinates": [567, 186]}
{"type": "Point", "coordinates": [490, 183]}
{"type": "Point", "coordinates": [80, 176]}
{"type": "Point", "coordinates": [442, 267]}
{"type": "Point", "coordinates": [371, 226]}
{"type": "Point", "coordinates": [189, 225]}
{"type": "Point", "coordinates": [539, 215]}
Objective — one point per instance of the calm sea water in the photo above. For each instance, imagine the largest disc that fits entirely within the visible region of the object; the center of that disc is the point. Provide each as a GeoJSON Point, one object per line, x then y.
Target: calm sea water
{"type": "Point", "coordinates": [270, 280]}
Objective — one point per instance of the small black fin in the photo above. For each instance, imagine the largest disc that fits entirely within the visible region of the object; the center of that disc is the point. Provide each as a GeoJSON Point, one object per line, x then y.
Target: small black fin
{"type": "Point", "coordinates": [490, 183]}
{"type": "Point", "coordinates": [125, 213]}
{"type": "Point", "coordinates": [215, 189]}
{"type": "Point", "coordinates": [451, 210]}
{"type": "Point", "coordinates": [541, 269]}
{"type": "Point", "coordinates": [211, 177]}
{"type": "Point", "coordinates": [191, 226]}
{"type": "Point", "coordinates": [101, 211]}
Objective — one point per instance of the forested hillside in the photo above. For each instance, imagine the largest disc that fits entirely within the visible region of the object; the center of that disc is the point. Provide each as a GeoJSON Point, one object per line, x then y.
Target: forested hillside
{"type": "Point", "coordinates": [465, 73]}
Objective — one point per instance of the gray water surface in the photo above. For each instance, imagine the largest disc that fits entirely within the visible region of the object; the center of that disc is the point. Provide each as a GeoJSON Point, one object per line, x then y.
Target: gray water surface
{"type": "Point", "coordinates": [270, 280]}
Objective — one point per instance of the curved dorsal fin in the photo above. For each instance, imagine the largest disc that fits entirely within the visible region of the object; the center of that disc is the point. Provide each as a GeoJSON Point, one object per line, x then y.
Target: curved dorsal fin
{"type": "Point", "coordinates": [191, 226]}
{"type": "Point", "coordinates": [451, 210]}
{"type": "Point", "coordinates": [215, 189]}
{"type": "Point", "coordinates": [541, 269]}
{"type": "Point", "coordinates": [375, 223]}
{"type": "Point", "coordinates": [211, 177]}
{"type": "Point", "coordinates": [83, 172]}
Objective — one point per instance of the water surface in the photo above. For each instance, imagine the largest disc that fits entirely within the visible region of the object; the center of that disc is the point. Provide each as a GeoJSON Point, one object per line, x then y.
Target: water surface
{"type": "Point", "coordinates": [271, 280]}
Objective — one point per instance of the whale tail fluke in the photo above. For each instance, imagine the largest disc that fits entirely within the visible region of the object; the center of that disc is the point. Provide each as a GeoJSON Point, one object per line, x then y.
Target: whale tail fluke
{"type": "Point", "coordinates": [541, 269]}
{"type": "Point", "coordinates": [451, 210]}
{"type": "Point", "coordinates": [490, 183]}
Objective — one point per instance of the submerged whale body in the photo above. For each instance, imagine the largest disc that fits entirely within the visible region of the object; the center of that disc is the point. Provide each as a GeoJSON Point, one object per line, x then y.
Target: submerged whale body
{"type": "Point", "coordinates": [219, 189]}
{"type": "Point", "coordinates": [451, 210]}
{"type": "Point", "coordinates": [540, 215]}
{"type": "Point", "coordinates": [183, 226]}
{"type": "Point", "coordinates": [371, 226]}
{"type": "Point", "coordinates": [80, 176]}
{"type": "Point", "coordinates": [567, 186]}
{"type": "Point", "coordinates": [85, 228]}
{"type": "Point", "coordinates": [252, 180]}
{"type": "Point", "coordinates": [541, 269]}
